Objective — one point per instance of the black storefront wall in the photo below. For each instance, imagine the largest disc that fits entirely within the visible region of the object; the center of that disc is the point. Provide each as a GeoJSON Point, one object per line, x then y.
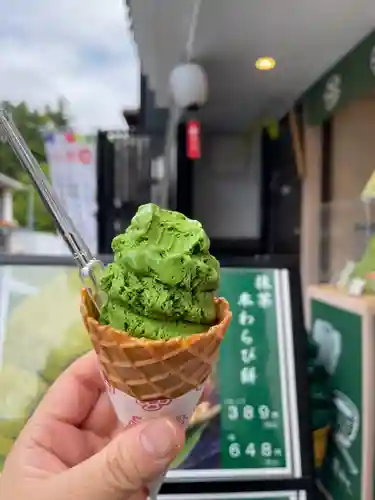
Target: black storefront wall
{"type": "Point", "coordinates": [184, 195]}
{"type": "Point", "coordinates": [280, 197]}
{"type": "Point", "coordinates": [105, 193]}
{"type": "Point", "coordinates": [281, 194]}
{"type": "Point", "coordinates": [121, 188]}
{"type": "Point", "coordinates": [185, 175]}
{"type": "Point", "coordinates": [112, 218]}
{"type": "Point", "coordinates": [280, 186]}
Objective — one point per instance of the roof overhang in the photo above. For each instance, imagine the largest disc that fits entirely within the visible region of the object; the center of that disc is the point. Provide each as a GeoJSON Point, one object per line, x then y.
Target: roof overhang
{"type": "Point", "coordinates": [229, 37]}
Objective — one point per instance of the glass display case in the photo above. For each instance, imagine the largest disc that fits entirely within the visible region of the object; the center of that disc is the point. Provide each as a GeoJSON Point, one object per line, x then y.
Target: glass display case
{"type": "Point", "coordinates": [345, 228]}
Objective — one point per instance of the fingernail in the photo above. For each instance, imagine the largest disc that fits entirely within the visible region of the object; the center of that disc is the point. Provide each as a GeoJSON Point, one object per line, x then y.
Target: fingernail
{"type": "Point", "coordinates": [158, 438]}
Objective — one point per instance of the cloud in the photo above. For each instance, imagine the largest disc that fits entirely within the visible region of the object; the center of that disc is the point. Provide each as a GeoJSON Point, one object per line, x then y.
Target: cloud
{"type": "Point", "coordinates": [81, 50]}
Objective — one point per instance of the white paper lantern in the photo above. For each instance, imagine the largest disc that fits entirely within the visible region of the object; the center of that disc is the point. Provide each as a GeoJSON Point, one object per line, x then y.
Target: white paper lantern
{"type": "Point", "coordinates": [189, 86]}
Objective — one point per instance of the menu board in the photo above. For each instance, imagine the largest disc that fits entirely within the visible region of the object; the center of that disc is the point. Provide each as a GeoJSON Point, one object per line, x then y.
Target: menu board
{"type": "Point", "coordinates": [255, 410]}
{"type": "Point", "coordinates": [246, 424]}
{"type": "Point", "coordinates": [256, 433]}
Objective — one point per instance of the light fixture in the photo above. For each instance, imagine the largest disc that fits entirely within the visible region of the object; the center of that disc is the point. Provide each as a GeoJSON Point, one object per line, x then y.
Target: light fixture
{"type": "Point", "coordinates": [265, 63]}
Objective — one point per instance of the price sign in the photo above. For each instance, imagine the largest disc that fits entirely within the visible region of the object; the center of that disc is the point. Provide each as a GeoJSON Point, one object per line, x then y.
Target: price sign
{"type": "Point", "coordinates": [253, 375]}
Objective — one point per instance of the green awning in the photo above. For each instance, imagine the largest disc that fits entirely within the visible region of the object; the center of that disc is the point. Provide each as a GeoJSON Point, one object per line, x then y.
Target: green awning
{"type": "Point", "coordinates": [353, 77]}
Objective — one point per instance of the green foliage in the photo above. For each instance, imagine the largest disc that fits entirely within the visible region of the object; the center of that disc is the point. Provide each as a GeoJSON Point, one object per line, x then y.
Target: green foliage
{"type": "Point", "coordinates": [192, 440]}
{"type": "Point", "coordinates": [30, 123]}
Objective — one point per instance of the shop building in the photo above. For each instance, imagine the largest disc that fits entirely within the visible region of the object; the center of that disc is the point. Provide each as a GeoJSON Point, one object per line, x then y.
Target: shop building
{"type": "Point", "coordinates": [260, 181]}
{"type": "Point", "coordinates": [340, 152]}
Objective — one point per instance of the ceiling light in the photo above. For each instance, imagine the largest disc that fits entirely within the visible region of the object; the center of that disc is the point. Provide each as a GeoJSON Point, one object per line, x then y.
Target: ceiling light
{"type": "Point", "coordinates": [265, 63]}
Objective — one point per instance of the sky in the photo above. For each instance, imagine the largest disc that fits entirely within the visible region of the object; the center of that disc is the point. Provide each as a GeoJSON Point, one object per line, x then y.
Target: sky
{"type": "Point", "coordinates": [82, 50]}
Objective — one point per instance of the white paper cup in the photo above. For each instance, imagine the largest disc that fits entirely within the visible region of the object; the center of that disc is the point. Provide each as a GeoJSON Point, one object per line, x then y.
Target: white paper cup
{"type": "Point", "coordinates": [130, 412]}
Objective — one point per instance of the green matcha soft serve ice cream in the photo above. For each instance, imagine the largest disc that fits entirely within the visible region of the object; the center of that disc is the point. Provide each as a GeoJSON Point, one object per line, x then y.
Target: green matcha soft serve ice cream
{"type": "Point", "coordinates": [163, 279]}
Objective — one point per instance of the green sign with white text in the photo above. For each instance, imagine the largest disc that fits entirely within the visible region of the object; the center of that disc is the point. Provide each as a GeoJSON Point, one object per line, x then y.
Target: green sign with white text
{"type": "Point", "coordinates": [252, 375]}
{"type": "Point", "coordinates": [339, 335]}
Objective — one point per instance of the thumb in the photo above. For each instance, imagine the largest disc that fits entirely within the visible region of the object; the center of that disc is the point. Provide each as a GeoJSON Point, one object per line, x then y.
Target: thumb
{"type": "Point", "coordinates": [130, 461]}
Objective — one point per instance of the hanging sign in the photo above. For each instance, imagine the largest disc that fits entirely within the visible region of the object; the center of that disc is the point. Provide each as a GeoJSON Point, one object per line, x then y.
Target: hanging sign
{"type": "Point", "coordinates": [193, 140]}
{"type": "Point", "coordinates": [72, 165]}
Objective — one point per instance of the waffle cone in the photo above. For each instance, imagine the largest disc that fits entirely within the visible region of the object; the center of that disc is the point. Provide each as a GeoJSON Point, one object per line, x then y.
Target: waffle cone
{"type": "Point", "coordinates": [155, 369]}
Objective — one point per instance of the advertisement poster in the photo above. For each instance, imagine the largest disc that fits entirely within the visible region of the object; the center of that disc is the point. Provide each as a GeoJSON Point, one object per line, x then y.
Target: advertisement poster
{"type": "Point", "coordinates": [72, 164]}
{"type": "Point", "coordinates": [239, 425]}
{"type": "Point", "coordinates": [338, 333]}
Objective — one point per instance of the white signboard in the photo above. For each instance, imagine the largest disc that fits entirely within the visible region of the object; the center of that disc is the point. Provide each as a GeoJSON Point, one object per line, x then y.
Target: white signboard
{"type": "Point", "coordinates": [72, 164]}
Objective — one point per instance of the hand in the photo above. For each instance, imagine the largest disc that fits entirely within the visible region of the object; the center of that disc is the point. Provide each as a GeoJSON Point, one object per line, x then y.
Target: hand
{"type": "Point", "coordinates": [73, 447]}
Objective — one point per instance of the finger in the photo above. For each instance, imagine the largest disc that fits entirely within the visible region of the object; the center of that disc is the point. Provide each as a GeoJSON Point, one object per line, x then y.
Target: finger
{"type": "Point", "coordinates": [74, 394]}
{"type": "Point", "coordinates": [141, 495]}
{"type": "Point", "coordinates": [59, 445]}
{"type": "Point", "coordinates": [102, 420]}
{"type": "Point", "coordinates": [128, 463]}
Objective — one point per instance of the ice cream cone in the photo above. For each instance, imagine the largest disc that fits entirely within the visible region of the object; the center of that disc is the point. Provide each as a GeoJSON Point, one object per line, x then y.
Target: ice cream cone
{"type": "Point", "coordinates": [150, 370]}
{"type": "Point", "coordinates": [150, 378]}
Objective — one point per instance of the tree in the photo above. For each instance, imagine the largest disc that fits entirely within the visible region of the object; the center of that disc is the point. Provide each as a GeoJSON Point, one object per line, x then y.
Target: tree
{"type": "Point", "coordinates": [30, 123]}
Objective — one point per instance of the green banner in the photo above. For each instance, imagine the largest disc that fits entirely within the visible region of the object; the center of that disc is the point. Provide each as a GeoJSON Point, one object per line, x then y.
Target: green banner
{"type": "Point", "coordinates": [353, 77]}
{"type": "Point", "coordinates": [338, 333]}
{"type": "Point", "coordinates": [252, 375]}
